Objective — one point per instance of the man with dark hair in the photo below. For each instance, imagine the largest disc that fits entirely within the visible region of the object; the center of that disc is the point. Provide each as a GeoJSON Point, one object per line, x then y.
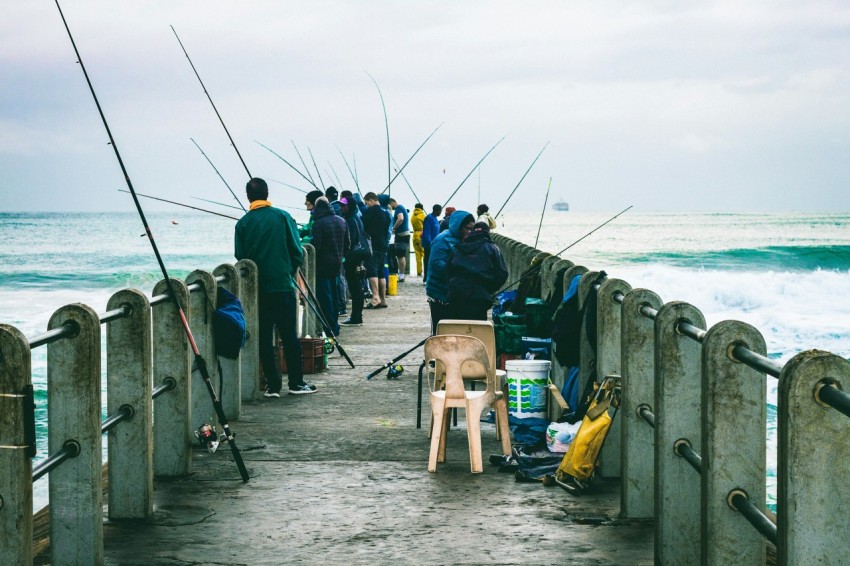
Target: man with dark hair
{"type": "Point", "coordinates": [331, 240]}
{"type": "Point", "coordinates": [484, 216]}
{"type": "Point", "coordinates": [268, 236]}
{"type": "Point", "coordinates": [401, 229]}
{"type": "Point", "coordinates": [430, 230]}
{"type": "Point", "coordinates": [377, 226]}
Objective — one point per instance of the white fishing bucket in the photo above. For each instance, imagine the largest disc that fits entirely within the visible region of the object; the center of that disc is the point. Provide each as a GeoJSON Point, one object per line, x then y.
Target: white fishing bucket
{"type": "Point", "coordinates": [528, 382]}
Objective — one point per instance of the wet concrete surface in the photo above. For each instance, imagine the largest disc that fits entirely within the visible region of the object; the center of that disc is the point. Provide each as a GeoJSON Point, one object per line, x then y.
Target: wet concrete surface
{"type": "Point", "coordinates": [340, 477]}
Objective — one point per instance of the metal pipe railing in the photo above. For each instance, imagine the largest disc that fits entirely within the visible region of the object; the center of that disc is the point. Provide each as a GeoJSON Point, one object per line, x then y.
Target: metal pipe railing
{"type": "Point", "coordinates": [70, 449]}
{"type": "Point", "coordinates": [682, 447]}
{"type": "Point", "coordinates": [827, 393]}
{"type": "Point", "coordinates": [740, 502]}
{"type": "Point", "coordinates": [644, 411]}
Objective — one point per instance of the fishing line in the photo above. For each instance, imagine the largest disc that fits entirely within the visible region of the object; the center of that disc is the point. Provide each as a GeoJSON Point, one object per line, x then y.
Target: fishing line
{"type": "Point", "coordinates": [521, 180]}
{"type": "Point", "coordinates": [199, 360]}
{"type": "Point", "coordinates": [403, 176]}
{"type": "Point", "coordinates": [471, 172]}
{"type": "Point", "coordinates": [303, 164]}
{"type": "Point", "coordinates": [316, 167]}
{"type": "Point", "coordinates": [211, 102]}
{"type": "Point", "coordinates": [350, 172]}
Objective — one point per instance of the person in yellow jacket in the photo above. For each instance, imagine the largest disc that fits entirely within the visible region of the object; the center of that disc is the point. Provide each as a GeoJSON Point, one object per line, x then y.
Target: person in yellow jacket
{"type": "Point", "coordinates": [417, 221]}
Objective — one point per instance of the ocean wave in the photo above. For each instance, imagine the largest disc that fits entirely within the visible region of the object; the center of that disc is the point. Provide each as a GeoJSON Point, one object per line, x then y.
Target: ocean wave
{"type": "Point", "coordinates": [784, 258]}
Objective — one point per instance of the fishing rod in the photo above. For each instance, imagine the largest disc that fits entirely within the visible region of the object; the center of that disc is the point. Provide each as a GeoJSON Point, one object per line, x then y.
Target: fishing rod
{"type": "Point", "coordinates": [299, 189]}
{"type": "Point", "coordinates": [542, 214]}
{"type": "Point", "coordinates": [350, 172]}
{"type": "Point", "coordinates": [216, 170]}
{"type": "Point", "coordinates": [521, 180]}
{"type": "Point", "coordinates": [471, 172]}
{"type": "Point", "coordinates": [403, 176]}
{"type": "Point", "coordinates": [218, 203]}
{"type": "Point", "coordinates": [316, 167]}
{"type": "Point", "coordinates": [394, 360]}
{"type": "Point", "coordinates": [409, 159]}
{"type": "Point", "coordinates": [211, 101]}
{"type": "Point", "coordinates": [531, 271]}
{"type": "Point", "coordinates": [303, 164]}
{"type": "Point", "coordinates": [179, 204]}
{"type": "Point", "coordinates": [387, 128]}
{"type": "Point", "coordinates": [200, 362]}
{"type": "Point", "coordinates": [293, 167]}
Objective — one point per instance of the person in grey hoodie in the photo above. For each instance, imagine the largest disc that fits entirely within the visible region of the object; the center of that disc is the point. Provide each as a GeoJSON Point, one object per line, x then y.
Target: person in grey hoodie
{"type": "Point", "coordinates": [437, 287]}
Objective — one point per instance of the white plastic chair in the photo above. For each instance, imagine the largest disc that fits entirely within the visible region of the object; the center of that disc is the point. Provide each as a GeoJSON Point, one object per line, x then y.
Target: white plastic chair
{"type": "Point", "coordinates": [451, 352]}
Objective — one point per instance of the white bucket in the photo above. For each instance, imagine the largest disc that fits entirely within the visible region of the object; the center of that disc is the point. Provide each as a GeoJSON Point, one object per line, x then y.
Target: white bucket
{"type": "Point", "coordinates": [528, 382]}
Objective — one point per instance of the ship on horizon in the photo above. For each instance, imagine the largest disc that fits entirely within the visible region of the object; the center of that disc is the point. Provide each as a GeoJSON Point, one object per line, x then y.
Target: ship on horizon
{"type": "Point", "coordinates": [561, 205]}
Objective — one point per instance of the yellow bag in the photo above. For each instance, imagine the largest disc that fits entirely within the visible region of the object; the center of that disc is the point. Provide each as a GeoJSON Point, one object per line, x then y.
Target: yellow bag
{"type": "Point", "coordinates": [580, 459]}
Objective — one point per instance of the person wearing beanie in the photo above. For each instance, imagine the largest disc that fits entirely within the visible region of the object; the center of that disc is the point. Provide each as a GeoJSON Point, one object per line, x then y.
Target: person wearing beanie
{"type": "Point", "coordinates": [417, 223]}
{"type": "Point", "coordinates": [476, 270]}
{"type": "Point", "coordinates": [444, 223]}
{"type": "Point", "coordinates": [401, 233]}
{"type": "Point", "coordinates": [309, 204]}
{"type": "Point", "coordinates": [430, 230]}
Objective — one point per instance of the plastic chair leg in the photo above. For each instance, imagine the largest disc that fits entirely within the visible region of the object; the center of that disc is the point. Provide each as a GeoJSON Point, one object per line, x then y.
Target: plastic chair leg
{"type": "Point", "coordinates": [437, 420]}
{"type": "Point", "coordinates": [502, 431]}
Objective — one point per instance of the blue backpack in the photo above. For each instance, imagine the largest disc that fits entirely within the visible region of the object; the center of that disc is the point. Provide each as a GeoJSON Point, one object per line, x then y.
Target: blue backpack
{"type": "Point", "coordinates": [228, 325]}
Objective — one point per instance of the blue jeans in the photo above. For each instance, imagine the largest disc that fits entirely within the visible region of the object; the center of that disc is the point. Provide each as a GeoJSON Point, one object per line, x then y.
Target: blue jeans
{"type": "Point", "coordinates": [326, 293]}
{"type": "Point", "coordinates": [280, 309]}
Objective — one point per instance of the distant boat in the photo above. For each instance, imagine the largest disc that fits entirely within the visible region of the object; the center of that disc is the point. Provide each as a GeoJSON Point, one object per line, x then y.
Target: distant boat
{"type": "Point", "coordinates": [561, 205]}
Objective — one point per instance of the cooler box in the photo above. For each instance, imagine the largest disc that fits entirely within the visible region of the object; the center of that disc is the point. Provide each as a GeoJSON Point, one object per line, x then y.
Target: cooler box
{"type": "Point", "coordinates": [528, 382]}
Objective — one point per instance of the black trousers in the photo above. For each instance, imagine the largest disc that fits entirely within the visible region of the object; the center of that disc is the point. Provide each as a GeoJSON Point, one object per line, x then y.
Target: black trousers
{"type": "Point", "coordinates": [279, 309]}
{"type": "Point", "coordinates": [356, 290]}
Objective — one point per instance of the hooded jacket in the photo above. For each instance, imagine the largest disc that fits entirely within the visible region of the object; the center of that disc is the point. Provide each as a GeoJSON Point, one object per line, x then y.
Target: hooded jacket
{"type": "Point", "coordinates": [356, 232]}
{"type": "Point", "coordinates": [417, 219]}
{"type": "Point", "coordinates": [475, 269]}
{"type": "Point", "coordinates": [330, 238]}
{"type": "Point", "coordinates": [437, 286]}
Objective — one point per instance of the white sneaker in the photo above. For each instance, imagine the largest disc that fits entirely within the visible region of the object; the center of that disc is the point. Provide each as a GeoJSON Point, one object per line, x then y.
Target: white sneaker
{"type": "Point", "coordinates": [303, 389]}
{"type": "Point", "coordinates": [270, 393]}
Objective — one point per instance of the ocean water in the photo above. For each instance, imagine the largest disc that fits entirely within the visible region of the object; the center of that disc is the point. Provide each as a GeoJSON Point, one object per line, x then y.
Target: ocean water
{"type": "Point", "coordinates": [786, 274]}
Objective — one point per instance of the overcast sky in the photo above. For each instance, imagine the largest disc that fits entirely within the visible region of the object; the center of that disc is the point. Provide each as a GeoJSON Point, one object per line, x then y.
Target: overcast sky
{"type": "Point", "coordinates": [691, 106]}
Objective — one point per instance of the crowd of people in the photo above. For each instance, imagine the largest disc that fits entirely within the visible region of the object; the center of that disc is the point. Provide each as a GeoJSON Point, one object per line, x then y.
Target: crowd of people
{"type": "Point", "coordinates": [359, 243]}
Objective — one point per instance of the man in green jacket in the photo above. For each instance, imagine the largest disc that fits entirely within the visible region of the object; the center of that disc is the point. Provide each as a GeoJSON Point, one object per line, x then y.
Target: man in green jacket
{"type": "Point", "coordinates": [269, 237]}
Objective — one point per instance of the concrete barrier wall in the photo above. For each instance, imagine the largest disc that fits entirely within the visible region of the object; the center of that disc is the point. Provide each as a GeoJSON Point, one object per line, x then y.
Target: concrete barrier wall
{"type": "Point", "coordinates": [147, 355]}
{"type": "Point", "coordinates": [697, 393]}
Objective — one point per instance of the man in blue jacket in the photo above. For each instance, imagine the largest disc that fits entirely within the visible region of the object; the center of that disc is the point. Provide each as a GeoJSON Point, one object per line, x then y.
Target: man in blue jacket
{"type": "Point", "coordinates": [268, 236]}
{"type": "Point", "coordinates": [430, 230]}
{"type": "Point", "coordinates": [437, 287]}
{"type": "Point", "coordinates": [331, 240]}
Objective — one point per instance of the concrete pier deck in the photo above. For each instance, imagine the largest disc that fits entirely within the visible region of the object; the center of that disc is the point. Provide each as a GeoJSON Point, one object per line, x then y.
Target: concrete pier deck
{"type": "Point", "coordinates": [340, 477]}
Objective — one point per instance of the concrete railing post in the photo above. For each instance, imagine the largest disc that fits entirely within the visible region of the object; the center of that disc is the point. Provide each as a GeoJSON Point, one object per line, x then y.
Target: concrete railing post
{"type": "Point", "coordinates": [202, 305]}
{"type": "Point", "coordinates": [814, 448]}
{"type": "Point", "coordinates": [637, 493]}
{"type": "Point", "coordinates": [172, 423]}
{"type": "Point", "coordinates": [609, 350]}
{"type": "Point", "coordinates": [734, 416]}
{"type": "Point", "coordinates": [231, 374]}
{"type": "Point", "coordinates": [15, 453]}
{"type": "Point", "coordinates": [587, 355]}
{"type": "Point", "coordinates": [250, 358]}
{"type": "Point", "coordinates": [73, 394]}
{"type": "Point", "coordinates": [129, 373]}
{"type": "Point", "coordinates": [677, 416]}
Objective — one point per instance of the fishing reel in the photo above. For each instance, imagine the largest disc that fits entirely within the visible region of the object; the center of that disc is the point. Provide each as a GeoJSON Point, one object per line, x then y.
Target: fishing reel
{"type": "Point", "coordinates": [207, 437]}
{"type": "Point", "coordinates": [395, 371]}
{"type": "Point", "coordinates": [328, 346]}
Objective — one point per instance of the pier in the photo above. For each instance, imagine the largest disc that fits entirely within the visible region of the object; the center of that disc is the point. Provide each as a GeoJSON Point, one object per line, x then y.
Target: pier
{"type": "Point", "coordinates": [340, 476]}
